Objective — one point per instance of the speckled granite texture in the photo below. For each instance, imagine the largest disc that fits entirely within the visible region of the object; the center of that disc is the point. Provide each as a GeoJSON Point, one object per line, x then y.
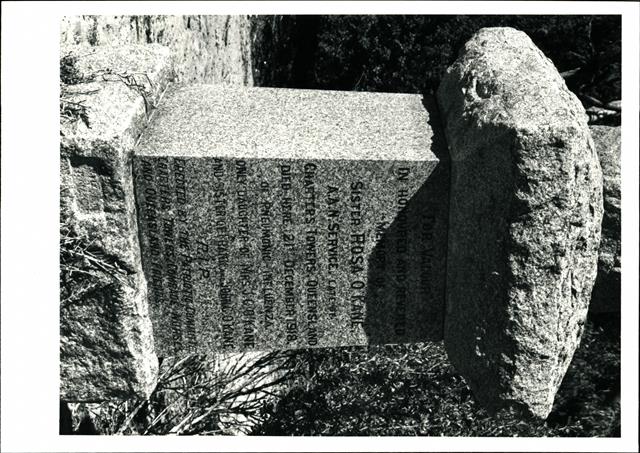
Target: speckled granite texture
{"type": "Point", "coordinates": [106, 338]}
{"type": "Point", "coordinates": [203, 48]}
{"type": "Point", "coordinates": [275, 218]}
{"type": "Point", "coordinates": [221, 121]}
{"type": "Point", "coordinates": [524, 230]}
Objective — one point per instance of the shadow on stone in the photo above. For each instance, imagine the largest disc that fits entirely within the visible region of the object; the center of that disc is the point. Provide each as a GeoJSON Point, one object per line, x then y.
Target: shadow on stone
{"type": "Point", "coordinates": [405, 296]}
{"type": "Point", "coordinates": [66, 421]}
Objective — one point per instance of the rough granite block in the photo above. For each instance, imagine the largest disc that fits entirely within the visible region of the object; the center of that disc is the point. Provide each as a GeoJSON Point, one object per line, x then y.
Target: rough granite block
{"type": "Point", "coordinates": [106, 338]}
{"type": "Point", "coordinates": [278, 218]}
{"type": "Point", "coordinates": [524, 230]}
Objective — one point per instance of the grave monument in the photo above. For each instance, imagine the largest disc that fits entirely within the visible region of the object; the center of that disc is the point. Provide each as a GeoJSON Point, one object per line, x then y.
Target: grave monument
{"type": "Point", "coordinates": [260, 219]}
{"type": "Point", "coordinates": [277, 218]}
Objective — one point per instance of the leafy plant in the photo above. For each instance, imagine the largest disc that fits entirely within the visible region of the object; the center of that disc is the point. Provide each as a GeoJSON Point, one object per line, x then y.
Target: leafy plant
{"type": "Point", "coordinates": [403, 53]}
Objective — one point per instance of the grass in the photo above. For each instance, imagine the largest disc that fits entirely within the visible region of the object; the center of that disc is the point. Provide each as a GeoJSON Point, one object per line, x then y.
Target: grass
{"type": "Point", "coordinates": [72, 109]}
{"type": "Point", "coordinates": [195, 395]}
{"type": "Point", "coordinates": [83, 266]}
{"type": "Point", "coordinates": [413, 390]}
{"type": "Point", "coordinates": [401, 390]}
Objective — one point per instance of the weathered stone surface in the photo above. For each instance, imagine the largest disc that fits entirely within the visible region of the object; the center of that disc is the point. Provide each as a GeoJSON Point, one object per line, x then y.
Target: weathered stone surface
{"type": "Point", "coordinates": [525, 212]}
{"type": "Point", "coordinates": [274, 218]}
{"type": "Point", "coordinates": [106, 348]}
{"type": "Point", "coordinates": [606, 291]}
{"type": "Point", "coordinates": [205, 49]}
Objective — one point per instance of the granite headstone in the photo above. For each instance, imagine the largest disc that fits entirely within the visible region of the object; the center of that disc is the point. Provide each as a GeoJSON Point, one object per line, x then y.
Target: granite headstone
{"type": "Point", "coordinates": [279, 218]}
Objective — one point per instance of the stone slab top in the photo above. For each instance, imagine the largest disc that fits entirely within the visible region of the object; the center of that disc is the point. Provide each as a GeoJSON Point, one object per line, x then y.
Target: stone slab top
{"type": "Point", "coordinates": [115, 108]}
{"type": "Point", "coordinates": [225, 121]}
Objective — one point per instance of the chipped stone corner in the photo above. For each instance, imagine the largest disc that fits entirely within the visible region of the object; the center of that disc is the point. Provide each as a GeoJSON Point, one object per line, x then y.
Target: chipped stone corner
{"type": "Point", "coordinates": [106, 338]}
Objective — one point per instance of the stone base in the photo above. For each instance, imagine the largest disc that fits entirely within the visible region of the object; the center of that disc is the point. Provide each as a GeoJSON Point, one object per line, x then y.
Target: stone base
{"type": "Point", "coordinates": [106, 344]}
{"type": "Point", "coordinates": [525, 213]}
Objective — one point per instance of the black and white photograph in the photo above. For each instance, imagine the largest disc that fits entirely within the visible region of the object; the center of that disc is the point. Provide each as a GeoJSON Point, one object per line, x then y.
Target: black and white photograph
{"type": "Point", "coordinates": [295, 223]}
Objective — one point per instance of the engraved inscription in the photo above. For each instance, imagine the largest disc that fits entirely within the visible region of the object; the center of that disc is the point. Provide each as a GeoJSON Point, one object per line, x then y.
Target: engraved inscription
{"type": "Point", "coordinates": [267, 254]}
